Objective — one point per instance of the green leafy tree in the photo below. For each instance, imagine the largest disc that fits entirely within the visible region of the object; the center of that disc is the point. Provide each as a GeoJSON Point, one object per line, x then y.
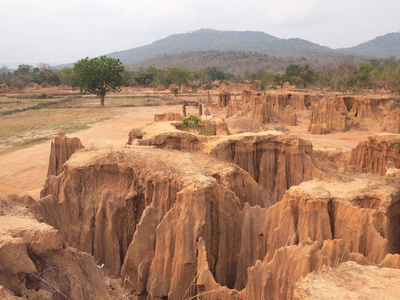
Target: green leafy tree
{"type": "Point", "coordinates": [364, 74]}
{"type": "Point", "coordinates": [53, 79]}
{"type": "Point", "coordinates": [389, 74]}
{"type": "Point", "coordinates": [201, 75]}
{"type": "Point", "coordinates": [178, 75]}
{"type": "Point", "coordinates": [175, 91]}
{"type": "Point", "coordinates": [215, 73]}
{"type": "Point", "coordinates": [99, 75]}
{"type": "Point", "coordinates": [306, 75]}
{"type": "Point", "coordinates": [67, 76]}
{"type": "Point", "coordinates": [279, 80]}
{"type": "Point", "coordinates": [128, 77]}
{"type": "Point", "coordinates": [265, 79]}
{"type": "Point", "coordinates": [343, 76]}
{"type": "Point", "coordinates": [324, 79]}
{"type": "Point", "coordinates": [5, 74]}
{"type": "Point", "coordinates": [149, 77]}
{"type": "Point", "coordinates": [293, 70]}
{"type": "Point", "coordinates": [191, 122]}
{"type": "Point", "coordinates": [24, 73]}
{"type": "Point", "coordinates": [299, 75]}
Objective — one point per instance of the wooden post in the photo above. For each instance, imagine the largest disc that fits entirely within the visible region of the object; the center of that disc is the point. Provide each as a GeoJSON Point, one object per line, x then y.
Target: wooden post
{"type": "Point", "coordinates": [184, 109]}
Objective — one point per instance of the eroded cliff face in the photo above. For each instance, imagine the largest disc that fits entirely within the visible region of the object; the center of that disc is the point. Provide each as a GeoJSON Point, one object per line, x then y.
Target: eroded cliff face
{"type": "Point", "coordinates": [264, 113]}
{"type": "Point", "coordinates": [326, 117]}
{"type": "Point", "coordinates": [360, 210]}
{"type": "Point", "coordinates": [341, 113]}
{"type": "Point", "coordinates": [214, 217]}
{"type": "Point", "coordinates": [277, 278]}
{"type": "Point", "coordinates": [175, 224]}
{"type": "Point", "coordinates": [145, 210]}
{"type": "Point", "coordinates": [62, 147]}
{"type": "Point", "coordinates": [332, 113]}
{"type": "Point", "coordinates": [319, 223]}
{"type": "Point", "coordinates": [35, 262]}
{"type": "Point", "coordinates": [297, 101]}
{"type": "Point", "coordinates": [275, 161]}
{"type": "Point", "coordinates": [376, 155]}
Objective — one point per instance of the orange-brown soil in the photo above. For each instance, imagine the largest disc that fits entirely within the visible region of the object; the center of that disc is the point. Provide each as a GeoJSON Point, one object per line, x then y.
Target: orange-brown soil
{"type": "Point", "coordinates": [228, 216]}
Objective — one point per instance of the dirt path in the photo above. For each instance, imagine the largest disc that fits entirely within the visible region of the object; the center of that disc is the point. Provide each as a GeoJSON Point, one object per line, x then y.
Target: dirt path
{"type": "Point", "coordinates": [342, 140]}
{"type": "Point", "coordinates": [24, 171]}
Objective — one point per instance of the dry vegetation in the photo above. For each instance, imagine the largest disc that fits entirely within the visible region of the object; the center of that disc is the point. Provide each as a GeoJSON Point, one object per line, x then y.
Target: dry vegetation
{"type": "Point", "coordinates": [25, 119]}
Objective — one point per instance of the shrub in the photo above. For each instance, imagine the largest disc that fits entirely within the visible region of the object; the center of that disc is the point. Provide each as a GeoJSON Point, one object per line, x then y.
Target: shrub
{"type": "Point", "coordinates": [191, 122]}
{"type": "Point", "coordinates": [282, 128]}
{"type": "Point", "coordinates": [396, 146]}
{"type": "Point", "coordinates": [175, 91]}
{"type": "Point", "coordinates": [207, 131]}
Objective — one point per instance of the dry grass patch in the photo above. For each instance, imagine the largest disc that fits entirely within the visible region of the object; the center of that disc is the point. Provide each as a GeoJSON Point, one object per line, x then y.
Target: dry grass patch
{"type": "Point", "coordinates": [115, 100]}
{"type": "Point", "coordinates": [29, 120]}
{"type": "Point", "coordinates": [23, 128]}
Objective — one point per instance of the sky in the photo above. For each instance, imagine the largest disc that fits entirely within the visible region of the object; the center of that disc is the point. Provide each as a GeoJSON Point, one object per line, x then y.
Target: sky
{"type": "Point", "coordinates": [56, 32]}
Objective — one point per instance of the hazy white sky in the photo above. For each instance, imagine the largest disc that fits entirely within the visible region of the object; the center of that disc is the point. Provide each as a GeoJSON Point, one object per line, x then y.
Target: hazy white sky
{"type": "Point", "coordinates": [55, 31]}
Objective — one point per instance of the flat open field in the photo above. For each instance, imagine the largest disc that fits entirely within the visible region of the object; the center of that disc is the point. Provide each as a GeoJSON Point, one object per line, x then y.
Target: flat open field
{"type": "Point", "coordinates": [25, 136]}
{"type": "Point", "coordinates": [27, 119]}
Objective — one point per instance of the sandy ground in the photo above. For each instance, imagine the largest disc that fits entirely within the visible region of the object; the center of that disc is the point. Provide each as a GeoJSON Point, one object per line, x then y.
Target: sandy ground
{"type": "Point", "coordinates": [337, 140]}
{"type": "Point", "coordinates": [24, 171]}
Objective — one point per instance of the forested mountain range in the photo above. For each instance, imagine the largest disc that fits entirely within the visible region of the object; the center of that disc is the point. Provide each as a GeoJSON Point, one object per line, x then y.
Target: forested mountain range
{"type": "Point", "coordinates": [238, 63]}
{"type": "Point", "coordinates": [237, 50]}
{"type": "Point", "coordinates": [208, 39]}
{"type": "Point", "coordinates": [381, 47]}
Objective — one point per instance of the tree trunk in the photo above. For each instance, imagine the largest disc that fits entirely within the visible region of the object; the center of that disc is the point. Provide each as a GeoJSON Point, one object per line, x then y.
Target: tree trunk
{"type": "Point", "coordinates": [102, 100]}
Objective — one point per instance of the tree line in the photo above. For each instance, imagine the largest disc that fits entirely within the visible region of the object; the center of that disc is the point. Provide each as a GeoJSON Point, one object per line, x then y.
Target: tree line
{"type": "Point", "coordinates": [374, 74]}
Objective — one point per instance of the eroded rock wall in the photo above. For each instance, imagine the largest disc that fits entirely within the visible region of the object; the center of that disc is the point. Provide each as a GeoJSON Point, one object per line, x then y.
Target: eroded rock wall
{"type": "Point", "coordinates": [216, 221]}
{"type": "Point", "coordinates": [176, 224]}
{"type": "Point", "coordinates": [391, 123]}
{"type": "Point", "coordinates": [145, 210]}
{"type": "Point", "coordinates": [167, 117]}
{"type": "Point", "coordinates": [297, 101]}
{"type": "Point", "coordinates": [361, 211]}
{"type": "Point", "coordinates": [62, 148]}
{"type": "Point", "coordinates": [35, 262]}
{"type": "Point", "coordinates": [276, 162]}
{"type": "Point", "coordinates": [325, 117]}
{"type": "Point", "coordinates": [324, 222]}
{"type": "Point", "coordinates": [319, 223]}
{"type": "Point", "coordinates": [264, 113]}
{"type": "Point", "coordinates": [277, 278]}
{"type": "Point", "coordinates": [375, 155]}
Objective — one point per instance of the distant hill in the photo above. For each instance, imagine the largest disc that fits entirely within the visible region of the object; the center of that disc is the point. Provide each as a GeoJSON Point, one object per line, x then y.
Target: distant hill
{"type": "Point", "coordinates": [237, 63]}
{"type": "Point", "coordinates": [241, 51]}
{"type": "Point", "coordinates": [380, 47]}
{"type": "Point", "coordinates": [238, 41]}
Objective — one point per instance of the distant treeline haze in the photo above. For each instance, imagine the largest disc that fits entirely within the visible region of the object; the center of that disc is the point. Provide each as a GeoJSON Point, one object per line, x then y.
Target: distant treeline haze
{"type": "Point", "coordinates": [347, 75]}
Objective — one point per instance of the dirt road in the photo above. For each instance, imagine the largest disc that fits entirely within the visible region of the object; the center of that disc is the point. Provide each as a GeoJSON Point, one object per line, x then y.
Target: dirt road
{"type": "Point", "coordinates": [24, 171]}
